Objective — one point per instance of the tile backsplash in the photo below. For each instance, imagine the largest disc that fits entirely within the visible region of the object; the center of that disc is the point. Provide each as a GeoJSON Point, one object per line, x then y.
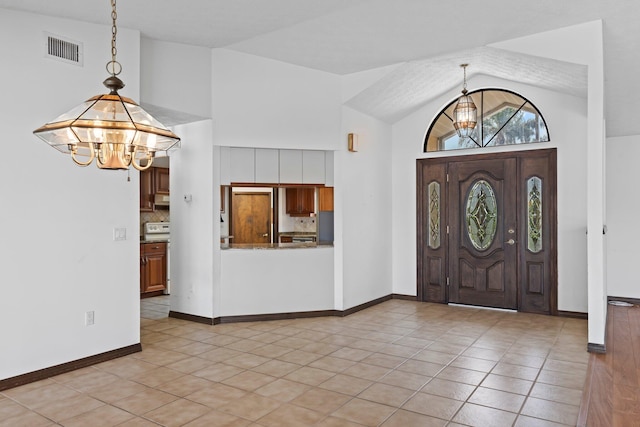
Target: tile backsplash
{"type": "Point", "coordinates": [304, 224]}
{"type": "Point", "coordinates": [157, 216]}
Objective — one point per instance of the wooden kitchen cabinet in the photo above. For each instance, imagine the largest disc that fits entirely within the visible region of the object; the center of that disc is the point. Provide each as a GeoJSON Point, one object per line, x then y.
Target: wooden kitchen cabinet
{"type": "Point", "coordinates": [146, 190]}
{"type": "Point", "coordinates": [153, 268]}
{"type": "Point", "coordinates": [153, 181]}
{"type": "Point", "coordinates": [300, 201]}
{"type": "Point", "coordinates": [325, 199]}
{"type": "Point", "coordinates": [161, 178]}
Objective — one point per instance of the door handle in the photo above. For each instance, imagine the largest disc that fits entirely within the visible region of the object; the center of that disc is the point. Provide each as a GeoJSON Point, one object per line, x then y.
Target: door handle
{"type": "Point", "coordinates": [510, 242]}
{"type": "Point", "coordinates": [265, 235]}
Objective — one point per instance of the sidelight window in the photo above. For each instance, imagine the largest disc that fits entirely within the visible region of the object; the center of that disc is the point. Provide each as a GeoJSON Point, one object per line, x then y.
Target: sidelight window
{"type": "Point", "coordinates": [434, 214]}
{"type": "Point", "coordinates": [534, 214]}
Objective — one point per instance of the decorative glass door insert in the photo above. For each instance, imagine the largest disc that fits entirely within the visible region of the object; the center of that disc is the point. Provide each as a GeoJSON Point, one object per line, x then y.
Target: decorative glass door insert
{"type": "Point", "coordinates": [482, 215]}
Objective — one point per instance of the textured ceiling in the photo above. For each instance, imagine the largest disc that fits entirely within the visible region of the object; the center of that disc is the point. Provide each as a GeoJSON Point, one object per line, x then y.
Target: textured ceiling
{"type": "Point", "coordinates": [345, 36]}
{"type": "Point", "coordinates": [413, 84]}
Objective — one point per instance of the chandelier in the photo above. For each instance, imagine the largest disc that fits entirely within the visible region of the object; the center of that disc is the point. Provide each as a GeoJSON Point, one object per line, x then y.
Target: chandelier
{"type": "Point", "coordinates": [112, 129]}
{"type": "Point", "coordinates": [465, 114]}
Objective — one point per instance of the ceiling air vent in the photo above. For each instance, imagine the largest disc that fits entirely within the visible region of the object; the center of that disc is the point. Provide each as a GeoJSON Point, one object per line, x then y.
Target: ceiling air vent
{"type": "Point", "coordinates": [64, 49]}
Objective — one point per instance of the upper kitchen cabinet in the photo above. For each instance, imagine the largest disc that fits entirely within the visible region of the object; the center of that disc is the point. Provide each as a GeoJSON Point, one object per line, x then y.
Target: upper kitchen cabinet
{"type": "Point", "coordinates": [325, 199]}
{"type": "Point", "coordinates": [302, 167]}
{"type": "Point", "coordinates": [267, 166]}
{"type": "Point", "coordinates": [300, 201]}
{"type": "Point", "coordinates": [291, 166]}
{"type": "Point", "coordinates": [273, 166]}
{"type": "Point", "coordinates": [161, 176]}
{"type": "Point", "coordinates": [313, 167]}
{"type": "Point", "coordinates": [154, 182]}
{"type": "Point", "coordinates": [242, 161]}
{"type": "Point", "coordinates": [146, 190]}
{"type": "Point", "coordinates": [328, 169]}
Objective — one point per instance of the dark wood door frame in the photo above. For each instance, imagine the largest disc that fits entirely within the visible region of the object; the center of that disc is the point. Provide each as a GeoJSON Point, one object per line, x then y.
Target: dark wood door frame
{"type": "Point", "coordinates": [432, 264]}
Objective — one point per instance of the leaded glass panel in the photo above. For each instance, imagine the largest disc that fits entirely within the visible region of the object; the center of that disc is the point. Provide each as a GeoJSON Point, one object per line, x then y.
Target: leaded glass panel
{"type": "Point", "coordinates": [481, 215]}
{"type": "Point", "coordinates": [504, 118]}
{"type": "Point", "coordinates": [534, 214]}
{"type": "Point", "coordinates": [434, 214]}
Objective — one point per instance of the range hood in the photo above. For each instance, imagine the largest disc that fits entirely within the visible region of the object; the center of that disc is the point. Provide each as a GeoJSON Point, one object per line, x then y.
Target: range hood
{"type": "Point", "coordinates": [161, 200]}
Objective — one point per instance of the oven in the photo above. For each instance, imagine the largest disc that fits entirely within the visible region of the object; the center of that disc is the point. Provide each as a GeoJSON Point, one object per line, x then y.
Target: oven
{"type": "Point", "coordinates": [160, 232]}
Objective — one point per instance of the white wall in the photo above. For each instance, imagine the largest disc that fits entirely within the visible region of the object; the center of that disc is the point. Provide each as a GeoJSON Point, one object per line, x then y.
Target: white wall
{"type": "Point", "coordinates": [583, 44]}
{"type": "Point", "coordinates": [194, 223]}
{"type": "Point", "coordinates": [59, 259]}
{"type": "Point", "coordinates": [259, 102]}
{"type": "Point", "coordinates": [566, 120]}
{"type": "Point", "coordinates": [363, 209]}
{"type": "Point", "coordinates": [623, 206]}
{"type": "Point", "coordinates": [278, 281]}
{"type": "Point", "coordinates": [176, 76]}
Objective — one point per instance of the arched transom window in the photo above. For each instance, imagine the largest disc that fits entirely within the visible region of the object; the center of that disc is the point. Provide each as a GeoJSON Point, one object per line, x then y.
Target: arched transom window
{"type": "Point", "coordinates": [504, 118]}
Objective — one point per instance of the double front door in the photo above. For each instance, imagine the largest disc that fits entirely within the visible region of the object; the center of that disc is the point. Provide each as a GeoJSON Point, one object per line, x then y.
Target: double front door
{"type": "Point", "coordinates": [487, 230]}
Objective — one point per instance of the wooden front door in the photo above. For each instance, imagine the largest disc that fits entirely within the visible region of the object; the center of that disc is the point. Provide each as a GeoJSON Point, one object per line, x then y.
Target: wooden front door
{"type": "Point", "coordinates": [482, 222]}
{"type": "Point", "coordinates": [251, 217]}
{"type": "Point", "coordinates": [487, 230]}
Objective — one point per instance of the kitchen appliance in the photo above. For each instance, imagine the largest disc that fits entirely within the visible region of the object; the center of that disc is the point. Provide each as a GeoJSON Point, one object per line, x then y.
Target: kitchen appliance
{"type": "Point", "coordinates": [160, 232]}
{"type": "Point", "coordinates": [325, 227]}
{"type": "Point", "coordinates": [161, 200]}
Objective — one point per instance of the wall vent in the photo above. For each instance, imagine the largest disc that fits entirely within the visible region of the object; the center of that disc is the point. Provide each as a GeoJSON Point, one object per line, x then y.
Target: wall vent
{"type": "Point", "coordinates": [64, 49]}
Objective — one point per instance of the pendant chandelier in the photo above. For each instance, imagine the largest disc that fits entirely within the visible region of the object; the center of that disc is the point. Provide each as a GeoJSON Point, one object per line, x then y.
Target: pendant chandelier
{"type": "Point", "coordinates": [112, 129]}
{"type": "Point", "coordinates": [465, 115]}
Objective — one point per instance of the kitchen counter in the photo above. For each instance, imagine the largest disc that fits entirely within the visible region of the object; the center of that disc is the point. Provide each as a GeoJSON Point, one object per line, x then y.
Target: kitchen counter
{"type": "Point", "coordinates": [296, 245]}
{"type": "Point", "coordinates": [153, 241]}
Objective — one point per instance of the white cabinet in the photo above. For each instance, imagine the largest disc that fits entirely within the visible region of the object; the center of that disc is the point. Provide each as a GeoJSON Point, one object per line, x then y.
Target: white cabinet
{"type": "Point", "coordinates": [273, 166]}
{"type": "Point", "coordinates": [225, 164]}
{"type": "Point", "coordinates": [313, 169]}
{"type": "Point", "coordinates": [267, 166]}
{"type": "Point", "coordinates": [291, 166]}
{"type": "Point", "coordinates": [328, 164]}
{"type": "Point", "coordinates": [242, 165]}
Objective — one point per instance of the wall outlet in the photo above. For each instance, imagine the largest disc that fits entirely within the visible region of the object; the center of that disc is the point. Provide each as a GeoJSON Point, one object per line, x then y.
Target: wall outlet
{"type": "Point", "coordinates": [119, 233]}
{"type": "Point", "coordinates": [89, 318]}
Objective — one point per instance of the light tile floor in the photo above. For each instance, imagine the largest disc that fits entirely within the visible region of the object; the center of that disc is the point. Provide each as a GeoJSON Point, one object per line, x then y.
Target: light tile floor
{"type": "Point", "coordinates": [400, 363]}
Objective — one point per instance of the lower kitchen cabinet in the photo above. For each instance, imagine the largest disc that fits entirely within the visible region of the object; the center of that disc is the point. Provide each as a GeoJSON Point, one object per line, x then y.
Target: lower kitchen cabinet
{"type": "Point", "coordinates": [153, 268]}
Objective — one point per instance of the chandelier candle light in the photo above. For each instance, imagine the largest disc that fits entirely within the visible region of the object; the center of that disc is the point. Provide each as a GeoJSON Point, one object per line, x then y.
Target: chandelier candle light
{"type": "Point", "coordinates": [465, 115]}
{"type": "Point", "coordinates": [112, 129]}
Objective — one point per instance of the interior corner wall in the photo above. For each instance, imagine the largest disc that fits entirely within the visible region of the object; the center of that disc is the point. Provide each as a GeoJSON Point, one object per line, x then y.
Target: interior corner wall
{"type": "Point", "coordinates": [363, 208]}
{"type": "Point", "coordinates": [622, 216]}
{"type": "Point", "coordinates": [583, 44]}
{"type": "Point", "coordinates": [193, 220]}
{"type": "Point", "coordinates": [58, 242]}
{"type": "Point", "coordinates": [176, 76]}
{"type": "Point", "coordinates": [264, 103]}
{"type": "Point", "coordinates": [566, 118]}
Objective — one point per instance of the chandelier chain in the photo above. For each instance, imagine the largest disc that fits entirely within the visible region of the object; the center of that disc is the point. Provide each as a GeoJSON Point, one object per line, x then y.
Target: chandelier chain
{"type": "Point", "coordinates": [113, 67]}
{"type": "Point", "coordinates": [464, 81]}
{"type": "Point", "coordinates": [114, 30]}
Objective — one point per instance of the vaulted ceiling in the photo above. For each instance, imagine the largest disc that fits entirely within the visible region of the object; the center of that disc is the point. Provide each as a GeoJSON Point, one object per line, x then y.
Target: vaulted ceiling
{"type": "Point", "coordinates": [427, 40]}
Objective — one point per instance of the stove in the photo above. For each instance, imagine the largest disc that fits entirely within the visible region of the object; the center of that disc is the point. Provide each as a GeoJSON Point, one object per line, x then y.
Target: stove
{"type": "Point", "coordinates": [156, 231]}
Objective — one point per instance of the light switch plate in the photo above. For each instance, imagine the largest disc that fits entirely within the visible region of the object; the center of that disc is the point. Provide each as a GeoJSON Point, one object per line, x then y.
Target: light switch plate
{"type": "Point", "coordinates": [89, 318]}
{"type": "Point", "coordinates": [119, 233]}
